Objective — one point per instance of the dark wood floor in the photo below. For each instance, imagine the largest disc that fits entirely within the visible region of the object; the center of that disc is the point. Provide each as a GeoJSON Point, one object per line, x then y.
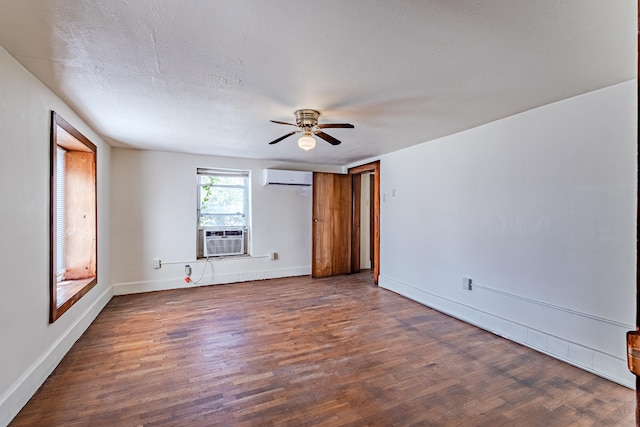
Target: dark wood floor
{"type": "Point", "coordinates": [303, 352]}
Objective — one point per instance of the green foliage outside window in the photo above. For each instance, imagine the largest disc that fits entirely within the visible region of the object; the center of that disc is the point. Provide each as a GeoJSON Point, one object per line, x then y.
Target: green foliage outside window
{"type": "Point", "coordinates": [206, 188]}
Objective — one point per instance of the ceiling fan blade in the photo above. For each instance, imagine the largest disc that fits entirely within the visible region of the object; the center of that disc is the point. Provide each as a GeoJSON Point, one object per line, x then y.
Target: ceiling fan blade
{"type": "Point", "coordinates": [331, 140]}
{"type": "Point", "coordinates": [283, 123]}
{"type": "Point", "coordinates": [335, 125]}
{"type": "Point", "coordinates": [275, 141]}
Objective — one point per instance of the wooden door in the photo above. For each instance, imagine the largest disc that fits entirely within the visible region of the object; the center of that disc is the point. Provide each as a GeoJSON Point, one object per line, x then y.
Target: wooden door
{"type": "Point", "coordinates": [332, 213]}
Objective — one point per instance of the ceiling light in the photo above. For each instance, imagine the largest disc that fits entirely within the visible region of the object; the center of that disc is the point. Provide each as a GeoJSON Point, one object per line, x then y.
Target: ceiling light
{"type": "Point", "coordinates": [307, 143]}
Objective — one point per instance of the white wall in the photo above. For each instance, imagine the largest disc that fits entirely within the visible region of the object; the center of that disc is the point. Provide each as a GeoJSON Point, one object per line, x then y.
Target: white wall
{"type": "Point", "coordinates": [31, 347]}
{"type": "Point", "coordinates": [154, 216]}
{"type": "Point", "coordinates": [539, 210]}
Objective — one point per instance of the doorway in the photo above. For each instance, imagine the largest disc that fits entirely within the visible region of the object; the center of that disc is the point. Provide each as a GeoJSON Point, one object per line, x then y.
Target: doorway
{"type": "Point", "coordinates": [371, 173]}
{"type": "Point", "coordinates": [366, 224]}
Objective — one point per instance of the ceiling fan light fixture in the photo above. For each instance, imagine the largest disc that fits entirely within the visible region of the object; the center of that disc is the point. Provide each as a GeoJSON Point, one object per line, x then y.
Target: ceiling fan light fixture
{"type": "Point", "coordinates": [307, 124]}
{"type": "Point", "coordinates": [307, 143]}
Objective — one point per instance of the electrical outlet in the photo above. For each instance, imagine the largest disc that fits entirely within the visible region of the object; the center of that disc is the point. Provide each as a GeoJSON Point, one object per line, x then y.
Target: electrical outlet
{"type": "Point", "coordinates": [187, 270]}
{"type": "Point", "coordinates": [466, 284]}
{"type": "Point", "coordinates": [157, 263]}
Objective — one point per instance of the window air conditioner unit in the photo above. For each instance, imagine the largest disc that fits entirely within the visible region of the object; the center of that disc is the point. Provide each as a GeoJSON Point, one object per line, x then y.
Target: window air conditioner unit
{"type": "Point", "coordinates": [284, 177]}
{"type": "Point", "coordinates": [223, 242]}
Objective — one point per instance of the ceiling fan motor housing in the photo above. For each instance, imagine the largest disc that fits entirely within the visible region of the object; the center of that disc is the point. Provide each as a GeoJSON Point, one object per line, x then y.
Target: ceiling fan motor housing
{"type": "Point", "coordinates": [307, 119]}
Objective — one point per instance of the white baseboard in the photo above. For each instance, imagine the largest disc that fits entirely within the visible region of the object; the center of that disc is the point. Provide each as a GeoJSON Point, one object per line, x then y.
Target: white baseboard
{"type": "Point", "coordinates": [14, 399]}
{"type": "Point", "coordinates": [219, 279]}
{"type": "Point", "coordinates": [611, 367]}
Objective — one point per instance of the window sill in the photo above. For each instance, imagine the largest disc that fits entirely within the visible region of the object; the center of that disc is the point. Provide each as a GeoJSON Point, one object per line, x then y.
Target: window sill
{"type": "Point", "coordinates": [225, 257]}
{"type": "Point", "coordinates": [68, 292]}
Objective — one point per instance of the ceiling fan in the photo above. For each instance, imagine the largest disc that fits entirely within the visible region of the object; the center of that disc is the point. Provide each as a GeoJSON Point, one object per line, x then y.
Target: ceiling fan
{"type": "Point", "coordinates": [307, 122]}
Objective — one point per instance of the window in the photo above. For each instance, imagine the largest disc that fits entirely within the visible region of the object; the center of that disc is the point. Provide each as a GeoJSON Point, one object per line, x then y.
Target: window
{"type": "Point", "coordinates": [59, 232]}
{"type": "Point", "coordinates": [73, 224]}
{"type": "Point", "coordinates": [223, 201]}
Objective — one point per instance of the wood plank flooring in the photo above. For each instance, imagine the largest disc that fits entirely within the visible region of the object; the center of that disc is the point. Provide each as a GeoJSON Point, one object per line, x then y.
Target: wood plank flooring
{"type": "Point", "coordinates": [301, 352]}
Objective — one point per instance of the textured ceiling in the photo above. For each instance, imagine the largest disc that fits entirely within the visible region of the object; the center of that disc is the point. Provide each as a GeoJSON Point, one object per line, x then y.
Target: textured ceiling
{"type": "Point", "coordinates": [207, 76]}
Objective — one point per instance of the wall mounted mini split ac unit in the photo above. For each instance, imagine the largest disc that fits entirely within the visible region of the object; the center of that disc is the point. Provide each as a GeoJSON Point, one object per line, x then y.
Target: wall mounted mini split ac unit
{"type": "Point", "coordinates": [228, 241]}
{"type": "Point", "coordinates": [284, 177]}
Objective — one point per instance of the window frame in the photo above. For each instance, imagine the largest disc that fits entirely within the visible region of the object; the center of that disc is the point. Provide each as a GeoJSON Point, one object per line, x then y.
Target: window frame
{"type": "Point", "coordinates": [246, 174]}
{"type": "Point", "coordinates": [83, 192]}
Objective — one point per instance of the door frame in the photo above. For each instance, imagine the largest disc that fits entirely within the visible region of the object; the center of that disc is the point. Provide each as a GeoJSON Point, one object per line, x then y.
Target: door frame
{"type": "Point", "coordinates": [356, 172]}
